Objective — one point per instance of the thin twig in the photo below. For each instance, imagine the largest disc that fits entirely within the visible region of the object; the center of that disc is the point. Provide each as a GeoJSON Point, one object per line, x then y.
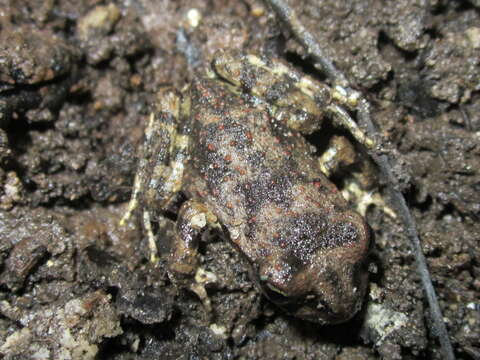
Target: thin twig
{"type": "Point", "coordinates": [317, 53]}
{"type": "Point", "coordinates": [306, 39]}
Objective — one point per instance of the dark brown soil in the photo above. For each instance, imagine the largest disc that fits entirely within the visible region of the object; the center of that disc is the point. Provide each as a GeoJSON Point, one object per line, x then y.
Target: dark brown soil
{"type": "Point", "coordinates": [76, 82]}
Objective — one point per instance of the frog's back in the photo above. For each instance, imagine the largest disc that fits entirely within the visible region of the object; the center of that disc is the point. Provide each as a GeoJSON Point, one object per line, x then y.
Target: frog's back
{"type": "Point", "coordinates": [247, 166]}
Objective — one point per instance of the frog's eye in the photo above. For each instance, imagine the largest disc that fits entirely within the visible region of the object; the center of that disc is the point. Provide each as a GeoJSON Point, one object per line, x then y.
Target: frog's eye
{"type": "Point", "coordinates": [275, 294]}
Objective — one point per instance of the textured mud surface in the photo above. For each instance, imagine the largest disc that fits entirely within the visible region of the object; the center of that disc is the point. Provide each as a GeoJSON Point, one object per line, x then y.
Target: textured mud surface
{"type": "Point", "coordinates": [77, 79]}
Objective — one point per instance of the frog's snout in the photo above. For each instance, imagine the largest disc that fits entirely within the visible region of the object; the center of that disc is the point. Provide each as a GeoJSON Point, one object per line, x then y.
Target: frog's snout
{"type": "Point", "coordinates": [331, 304]}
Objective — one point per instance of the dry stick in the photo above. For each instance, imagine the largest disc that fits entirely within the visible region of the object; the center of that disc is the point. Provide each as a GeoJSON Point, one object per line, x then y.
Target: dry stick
{"type": "Point", "coordinates": [306, 39]}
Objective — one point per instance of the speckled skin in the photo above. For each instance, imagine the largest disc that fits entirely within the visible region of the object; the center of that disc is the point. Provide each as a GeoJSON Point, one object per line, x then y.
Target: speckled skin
{"type": "Point", "coordinates": [245, 169]}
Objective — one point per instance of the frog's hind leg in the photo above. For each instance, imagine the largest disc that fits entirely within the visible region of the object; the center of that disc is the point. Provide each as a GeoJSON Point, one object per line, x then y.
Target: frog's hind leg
{"type": "Point", "coordinates": [161, 161]}
{"type": "Point", "coordinates": [298, 99]}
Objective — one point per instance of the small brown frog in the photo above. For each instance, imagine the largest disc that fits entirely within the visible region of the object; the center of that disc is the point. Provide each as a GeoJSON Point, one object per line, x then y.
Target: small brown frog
{"type": "Point", "coordinates": [232, 143]}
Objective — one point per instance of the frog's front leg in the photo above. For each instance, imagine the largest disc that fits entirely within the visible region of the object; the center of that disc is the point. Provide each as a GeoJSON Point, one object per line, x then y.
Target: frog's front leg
{"type": "Point", "coordinates": [193, 219]}
{"type": "Point", "coordinates": [360, 187]}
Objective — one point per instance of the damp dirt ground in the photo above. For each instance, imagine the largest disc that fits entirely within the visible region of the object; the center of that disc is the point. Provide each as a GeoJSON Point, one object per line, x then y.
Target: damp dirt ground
{"type": "Point", "coordinates": [77, 80]}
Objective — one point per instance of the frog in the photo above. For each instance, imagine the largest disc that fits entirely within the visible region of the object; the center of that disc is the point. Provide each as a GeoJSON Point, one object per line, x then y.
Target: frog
{"type": "Point", "coordinates": [232, 142]}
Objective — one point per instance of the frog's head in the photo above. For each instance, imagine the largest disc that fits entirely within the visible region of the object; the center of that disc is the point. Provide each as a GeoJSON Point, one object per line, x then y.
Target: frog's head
{"type": "Point", "coordinates": [320, 274]}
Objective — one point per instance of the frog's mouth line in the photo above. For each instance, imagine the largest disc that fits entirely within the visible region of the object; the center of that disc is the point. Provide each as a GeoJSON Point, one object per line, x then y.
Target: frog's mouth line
{"type": "Point", "coordinates": [314, 309]}
{"type": "Point", "coordinates": [305, 306]}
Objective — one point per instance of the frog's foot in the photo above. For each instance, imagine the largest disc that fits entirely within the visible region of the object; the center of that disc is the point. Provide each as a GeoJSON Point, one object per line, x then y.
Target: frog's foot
{"type": "Point", "coordinates": [184, 270]}
{"type": "Point", "coordinates": [299, 100]}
